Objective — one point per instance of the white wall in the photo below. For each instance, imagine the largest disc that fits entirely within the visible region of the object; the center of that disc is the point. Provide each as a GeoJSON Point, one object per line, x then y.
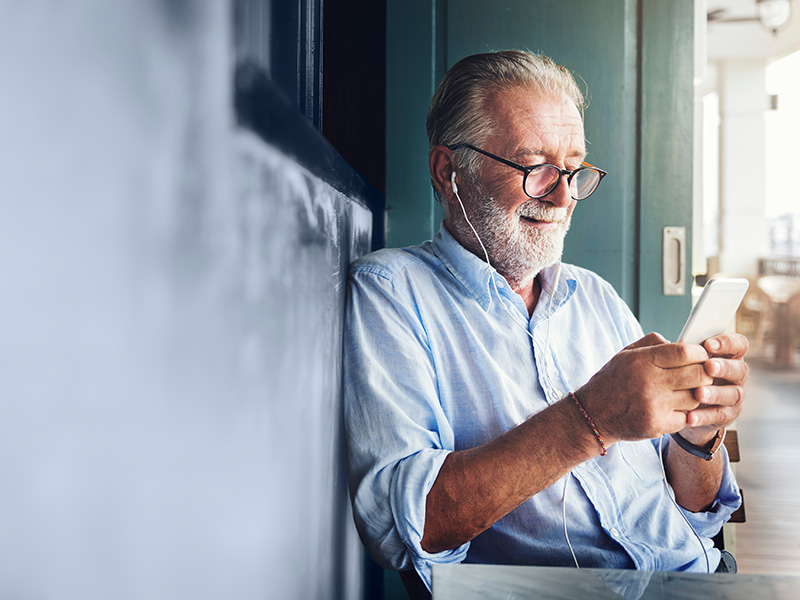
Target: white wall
{"type": "Point", "coordinates": [743, 227]}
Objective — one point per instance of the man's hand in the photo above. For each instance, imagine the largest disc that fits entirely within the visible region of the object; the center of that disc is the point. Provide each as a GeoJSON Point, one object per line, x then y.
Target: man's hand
{"type": "Point", "coordinates": [650, 388]}
{"type": "Point", "coordinates": [719, 404]}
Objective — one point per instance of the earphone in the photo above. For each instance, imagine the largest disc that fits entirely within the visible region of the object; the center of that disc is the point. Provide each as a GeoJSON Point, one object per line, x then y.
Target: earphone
{"type": "Point", "coordinates": [550, 382]}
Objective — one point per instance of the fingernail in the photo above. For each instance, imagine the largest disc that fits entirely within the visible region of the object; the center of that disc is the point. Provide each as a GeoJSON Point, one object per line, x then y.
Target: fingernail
{"type": "Point", "coordinates": [713, 367]}
{"type": "Point", "coordinates": [713, 344]}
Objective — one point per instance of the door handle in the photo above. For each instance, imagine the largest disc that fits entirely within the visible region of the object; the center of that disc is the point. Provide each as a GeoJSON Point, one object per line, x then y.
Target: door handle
{"type": "Point", "coordinates": [673, 260]}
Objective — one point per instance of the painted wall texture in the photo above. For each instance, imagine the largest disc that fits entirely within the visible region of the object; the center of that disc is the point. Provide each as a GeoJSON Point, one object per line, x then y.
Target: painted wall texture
{"type": "Point", "coordinates": [170, 320]}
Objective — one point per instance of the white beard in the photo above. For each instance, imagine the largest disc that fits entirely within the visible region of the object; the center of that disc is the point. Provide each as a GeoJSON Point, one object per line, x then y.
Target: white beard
{"type": "Point", "coordinates": [517, 251]}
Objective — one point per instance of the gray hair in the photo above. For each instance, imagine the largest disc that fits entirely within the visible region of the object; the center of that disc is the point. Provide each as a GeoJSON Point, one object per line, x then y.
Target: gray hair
{"type": "Point", "coordinates": [457, 114]}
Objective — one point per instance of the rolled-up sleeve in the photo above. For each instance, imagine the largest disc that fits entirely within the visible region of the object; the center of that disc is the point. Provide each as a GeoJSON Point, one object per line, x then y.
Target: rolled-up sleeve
{"type": "Point", "coordinates": [397, 433]}
{"type": "Point", "coordinates": [707, 523]}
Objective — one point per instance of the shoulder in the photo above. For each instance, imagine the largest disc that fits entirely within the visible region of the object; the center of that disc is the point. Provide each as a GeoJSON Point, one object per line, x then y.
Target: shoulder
{"type": "Point", "coordinates": [395, 264]}
{"type": "Point", "coordinates": [589, 282]}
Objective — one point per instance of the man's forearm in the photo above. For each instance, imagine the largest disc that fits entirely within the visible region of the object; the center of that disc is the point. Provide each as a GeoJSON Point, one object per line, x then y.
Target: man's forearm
{"type": "Point", "coordinates": [477, 487]}
{"type": "Point", "coordinates": [695, 481]}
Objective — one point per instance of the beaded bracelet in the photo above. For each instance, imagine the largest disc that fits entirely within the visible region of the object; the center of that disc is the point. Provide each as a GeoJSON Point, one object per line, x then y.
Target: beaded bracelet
{"type": "Point", "coordinates": [591, 424]}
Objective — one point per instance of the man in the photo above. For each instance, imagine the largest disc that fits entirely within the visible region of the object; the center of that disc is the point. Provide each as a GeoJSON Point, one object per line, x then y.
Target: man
{"type": "Point", "coordinates": [494, 398]}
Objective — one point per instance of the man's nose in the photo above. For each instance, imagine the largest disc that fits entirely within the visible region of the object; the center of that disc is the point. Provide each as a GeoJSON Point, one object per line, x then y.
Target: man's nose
{"type": "Point", "coordinates": [560, 196]}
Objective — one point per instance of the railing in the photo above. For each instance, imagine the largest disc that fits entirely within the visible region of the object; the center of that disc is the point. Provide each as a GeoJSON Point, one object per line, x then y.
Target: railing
{"type": "Point", "coordinates": [779, 266]}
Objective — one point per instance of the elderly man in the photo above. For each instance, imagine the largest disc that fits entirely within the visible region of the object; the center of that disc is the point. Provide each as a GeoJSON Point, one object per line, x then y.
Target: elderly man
{"type": "Point", "coordinates": [502, 407]}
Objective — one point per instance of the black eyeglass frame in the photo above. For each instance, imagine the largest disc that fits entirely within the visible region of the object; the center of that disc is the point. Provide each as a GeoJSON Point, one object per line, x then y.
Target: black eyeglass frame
{"type": "Point", "coordinates": [528, 170]}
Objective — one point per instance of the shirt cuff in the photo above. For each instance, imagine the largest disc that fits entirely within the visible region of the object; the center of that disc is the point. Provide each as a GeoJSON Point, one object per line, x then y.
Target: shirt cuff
{"type": "Point", "coordinates": [409, 492]}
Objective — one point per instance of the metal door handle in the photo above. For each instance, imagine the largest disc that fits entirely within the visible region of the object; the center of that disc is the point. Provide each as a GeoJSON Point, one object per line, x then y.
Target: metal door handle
{"type": "Point", "coordinates": [673, 254]}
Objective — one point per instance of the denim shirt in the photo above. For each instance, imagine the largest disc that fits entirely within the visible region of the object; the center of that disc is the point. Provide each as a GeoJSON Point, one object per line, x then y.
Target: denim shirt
{"type": "Point", "coordinates": [436, 359]}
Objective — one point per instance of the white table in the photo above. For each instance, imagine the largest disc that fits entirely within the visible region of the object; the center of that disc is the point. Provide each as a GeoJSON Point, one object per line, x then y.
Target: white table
{"type": "Point", "coordinates": [481, 582]}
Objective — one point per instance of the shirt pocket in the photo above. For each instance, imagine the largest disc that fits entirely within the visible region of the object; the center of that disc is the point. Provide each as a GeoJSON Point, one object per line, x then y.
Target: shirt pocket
{"type": "Point", "coordinates": [643, 460]}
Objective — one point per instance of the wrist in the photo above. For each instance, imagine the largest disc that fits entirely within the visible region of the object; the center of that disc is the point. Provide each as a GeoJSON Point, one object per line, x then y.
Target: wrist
{"type": "Point", "coordinates": [699, 436]}
{"type": "Point", "coordinates": [589, 421]}
{"type": "Point", "coordinates": [707, 451]}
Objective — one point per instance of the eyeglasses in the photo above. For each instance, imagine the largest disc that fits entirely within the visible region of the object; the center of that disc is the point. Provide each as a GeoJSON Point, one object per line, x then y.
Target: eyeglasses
{"type": "Point", "coordinates": [540, 180]}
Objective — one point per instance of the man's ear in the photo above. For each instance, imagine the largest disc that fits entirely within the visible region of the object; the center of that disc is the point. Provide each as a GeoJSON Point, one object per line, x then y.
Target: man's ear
{"type": "Point", "coordinates": [442, 168]}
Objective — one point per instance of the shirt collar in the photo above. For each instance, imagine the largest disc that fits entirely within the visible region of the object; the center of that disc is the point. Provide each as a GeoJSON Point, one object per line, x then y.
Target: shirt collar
{"type": "Point", "coordinates": [475, 274]}
{"type": "Point", "coordinates": [472, 272]}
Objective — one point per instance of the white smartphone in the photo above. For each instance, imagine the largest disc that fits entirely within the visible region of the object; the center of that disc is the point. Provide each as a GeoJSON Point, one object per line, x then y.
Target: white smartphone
{"type": "Point", "coordinates": [714, 311]}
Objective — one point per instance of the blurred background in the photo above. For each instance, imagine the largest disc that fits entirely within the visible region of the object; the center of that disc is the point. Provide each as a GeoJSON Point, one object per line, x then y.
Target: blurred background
{"type": "Point", "coordinates": [183, 184]}
{"type": "Point", "coordinates": [747, 88]}
{"type": "Point", "coordinates": [748, 93]}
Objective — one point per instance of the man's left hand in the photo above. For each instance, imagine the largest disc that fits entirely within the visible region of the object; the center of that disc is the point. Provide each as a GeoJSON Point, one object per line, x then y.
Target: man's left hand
{"type": "Point", "coordinates": [720, 403]}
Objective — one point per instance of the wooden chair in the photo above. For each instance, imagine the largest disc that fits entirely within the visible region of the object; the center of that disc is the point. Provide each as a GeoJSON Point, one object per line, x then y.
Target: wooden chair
{"type": "Point", "coordinates": [793, 309]}
{"type": "Point", "coordinates": [739, 515]}
{"type": "Point", "coordinates": [753, 316]}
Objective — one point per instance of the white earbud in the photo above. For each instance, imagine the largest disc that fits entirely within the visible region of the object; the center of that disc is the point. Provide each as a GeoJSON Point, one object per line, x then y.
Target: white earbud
{"type": "Point", "coordinates": [453, 181]}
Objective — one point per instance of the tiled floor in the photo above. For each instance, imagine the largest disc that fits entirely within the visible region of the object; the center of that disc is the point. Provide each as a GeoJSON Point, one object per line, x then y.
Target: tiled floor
{"type": "Point", "coordinates": [769, 471]}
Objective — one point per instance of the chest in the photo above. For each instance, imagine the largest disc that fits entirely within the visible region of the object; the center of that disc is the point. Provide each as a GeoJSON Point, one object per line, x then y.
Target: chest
{"type": "Point", "coordinates": [494, 369]}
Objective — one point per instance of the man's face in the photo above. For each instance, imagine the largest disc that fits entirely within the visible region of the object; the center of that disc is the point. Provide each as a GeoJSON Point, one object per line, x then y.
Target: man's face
{"type": "Point", "coordinates": [522, 235]}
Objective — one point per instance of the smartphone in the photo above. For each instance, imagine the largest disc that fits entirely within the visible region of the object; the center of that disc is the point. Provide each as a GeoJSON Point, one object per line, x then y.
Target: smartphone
{"type": "Point", "coordinates": [714, 311]}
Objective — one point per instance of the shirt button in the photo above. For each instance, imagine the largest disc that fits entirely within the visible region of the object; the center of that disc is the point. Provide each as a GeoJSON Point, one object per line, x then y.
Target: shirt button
{"type": "Point", "coordinates": [614, 533]}
{"type": "Point", "coordinates": [499, 283]}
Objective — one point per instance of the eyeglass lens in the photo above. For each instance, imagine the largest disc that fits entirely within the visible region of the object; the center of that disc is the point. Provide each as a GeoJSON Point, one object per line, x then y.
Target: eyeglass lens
{"type": "Point", "coordinates": [543, 180]}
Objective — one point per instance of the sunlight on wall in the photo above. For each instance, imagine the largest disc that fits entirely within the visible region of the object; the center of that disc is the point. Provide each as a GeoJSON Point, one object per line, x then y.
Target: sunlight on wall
{"type": "Point", "coordinates": [710, 174]}
{"type": "Point", "coordinates": [783, 151]}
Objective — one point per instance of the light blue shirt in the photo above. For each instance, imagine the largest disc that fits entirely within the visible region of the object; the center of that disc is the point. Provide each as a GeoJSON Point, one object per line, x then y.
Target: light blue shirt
{"type": "Point", "coordinates": [435, 362]}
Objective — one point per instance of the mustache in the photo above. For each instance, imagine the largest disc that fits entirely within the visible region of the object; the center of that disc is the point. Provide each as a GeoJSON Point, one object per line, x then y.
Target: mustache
{"type": "Point", "coordinates": [542, 211]}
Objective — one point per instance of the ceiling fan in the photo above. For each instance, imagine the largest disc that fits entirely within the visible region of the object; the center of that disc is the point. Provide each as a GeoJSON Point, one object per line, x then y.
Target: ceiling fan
{"type": "Point", "coordinates": [771, 14]}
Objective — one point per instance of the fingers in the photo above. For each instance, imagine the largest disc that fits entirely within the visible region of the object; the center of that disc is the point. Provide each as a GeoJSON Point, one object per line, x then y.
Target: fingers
{"type": "Point", "coordinates": [733, 345]}
{"type": "Point", "coordinates": [730, 381]}
{"type": "Point", "coordinates": [682, 401]}
{"type": "Point", "coordinates": [713, 417]}
{"type": "Point", "coordinates": [733, 371]}
{"type": "Point", "coordinates": [720, 395]}
{"type": "Point", "coordinates": [651, 339]}
{"type": "Point", "coordinates": [665, 355]}
{"type": "Point", "coordinates": [689, 377]}
{"type": "Point", "coordinates": [720, 403]}
{"type": "Point", "coordinates": [672, 356]}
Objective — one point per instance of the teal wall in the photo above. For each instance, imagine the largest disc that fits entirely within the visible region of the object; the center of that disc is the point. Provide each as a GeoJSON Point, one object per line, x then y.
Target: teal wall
{"type": "Point", "coordinates": [665, 154]}
{"type": "Point", "coordinates": [636, 59]}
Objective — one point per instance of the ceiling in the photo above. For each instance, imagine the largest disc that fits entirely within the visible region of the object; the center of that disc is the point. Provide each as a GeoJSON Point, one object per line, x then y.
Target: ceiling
{"type": "Point", "coordinates": [748, 40]}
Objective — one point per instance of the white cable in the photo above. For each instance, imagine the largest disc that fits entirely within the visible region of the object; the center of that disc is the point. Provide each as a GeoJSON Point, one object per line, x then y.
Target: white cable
{"type": "Point", "coordinates": [678, 508]}
{"type": "Point", "coordinates": [485, 253]}
{"type": "Point", "coordinates": [564, 519]}
{"type": "Point", "coordinates": [547, 330]}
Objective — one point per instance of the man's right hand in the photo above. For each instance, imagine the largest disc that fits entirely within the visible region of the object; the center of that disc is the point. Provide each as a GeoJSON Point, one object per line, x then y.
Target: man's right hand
{"type": "Point", "coordinates": [645, 390]}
